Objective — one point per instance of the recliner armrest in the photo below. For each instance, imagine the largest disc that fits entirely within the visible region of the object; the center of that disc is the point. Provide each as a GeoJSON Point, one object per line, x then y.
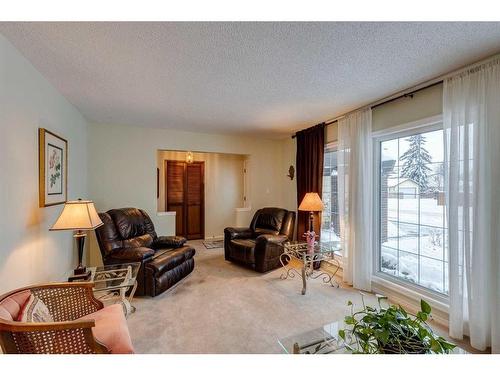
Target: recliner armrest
{"type": "Point", "coordinates": [132, 254]}
{"type": "Point", "coordinates": [166, 242]}
{"type": "Point", "coordinates": [271, 238]}
{"type": "Point", "coordinates": [234, 233]}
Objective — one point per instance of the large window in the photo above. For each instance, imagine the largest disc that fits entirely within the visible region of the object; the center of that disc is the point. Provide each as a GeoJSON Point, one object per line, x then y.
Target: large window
{"type": "Point", "coordinates": [412, 222]}
{"type": "Point", "coordinates": [330, 228]}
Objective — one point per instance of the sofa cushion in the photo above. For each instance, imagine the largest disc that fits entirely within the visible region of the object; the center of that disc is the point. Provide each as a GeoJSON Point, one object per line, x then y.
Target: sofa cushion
{"type": "Point", "coordinates": [12, 305]}
{"type": "Point", "coordinates": [35, 311]}
{"type": "Point", "coordinates": [111, 329]}
{"type": "Point", "coordinates": [170, 259]}
{"type": "Point", "coordinates": [108, 237]}
{"type": "Point", "coordinates": [270, 218]}
{"type": "Point", "coordinates": [129, 222]}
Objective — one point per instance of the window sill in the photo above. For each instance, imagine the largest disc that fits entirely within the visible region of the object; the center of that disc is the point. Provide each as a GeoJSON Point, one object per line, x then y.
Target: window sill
{"type": "Point", "coordinates": [410, 296]}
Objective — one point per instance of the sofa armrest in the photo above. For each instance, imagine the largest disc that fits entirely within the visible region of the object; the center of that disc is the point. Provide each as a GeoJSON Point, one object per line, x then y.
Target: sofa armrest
{"type": "Point", "coordinates": [168, 242]}
{"type": "Point", "coordinates": [271, 238]}
{"type": "Point", "coordinates": [268, 249]}
{"type": "Point", "coordinates": [234, 233]}
{"type": "Point", "coordinates": [132, 254]}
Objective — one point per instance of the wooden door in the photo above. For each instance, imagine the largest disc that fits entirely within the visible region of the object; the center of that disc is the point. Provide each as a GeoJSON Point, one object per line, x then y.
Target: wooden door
{"type": "Point", "coordinates": [185, 195]}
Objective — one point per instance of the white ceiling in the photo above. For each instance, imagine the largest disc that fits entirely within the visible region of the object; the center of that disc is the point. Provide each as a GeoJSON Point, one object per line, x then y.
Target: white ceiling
{"type": "Point", "coordinates": [261, 78]}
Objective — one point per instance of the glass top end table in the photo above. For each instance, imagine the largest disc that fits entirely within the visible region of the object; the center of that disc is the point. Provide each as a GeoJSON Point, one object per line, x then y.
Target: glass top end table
{"type": "Point", "coordinates": [297, 252]}
{"type": "Point", "coordinates": [112, 282]}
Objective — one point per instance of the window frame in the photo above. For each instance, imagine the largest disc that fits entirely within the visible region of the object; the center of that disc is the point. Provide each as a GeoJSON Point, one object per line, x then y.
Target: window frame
{"type": "Point", "coordinates": [404, 130]}
{"type": "Point", "coordinates": [331, 146]}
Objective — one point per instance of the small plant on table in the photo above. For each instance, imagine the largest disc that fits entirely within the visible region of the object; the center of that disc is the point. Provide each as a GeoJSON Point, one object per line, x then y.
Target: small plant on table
{"type": "Point", "coordinates": [391, 330]}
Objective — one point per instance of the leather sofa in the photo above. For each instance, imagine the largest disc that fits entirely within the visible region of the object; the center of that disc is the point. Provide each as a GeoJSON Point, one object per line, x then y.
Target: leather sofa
{"type": "Point", "coordinates": [128, 235]}
{"type": "Point", "coordinates": [260, 245]}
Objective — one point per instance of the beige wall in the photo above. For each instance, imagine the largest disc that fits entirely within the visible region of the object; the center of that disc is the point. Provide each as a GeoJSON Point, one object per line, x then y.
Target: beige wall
{"type": "Point", "coordinates": [425, 103]}
{"type": "Point", "coordinates": [123, 159]}
{"type": "Point", "coordinates": [29, 253]}
{"type": "Point", "coordinates": [223, 187]}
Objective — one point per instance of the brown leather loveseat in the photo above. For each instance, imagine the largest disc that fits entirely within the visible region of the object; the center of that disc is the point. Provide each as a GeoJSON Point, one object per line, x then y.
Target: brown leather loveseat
{"type": "Point", "coordinates": [260, 245]}
{"type": "Point", "coordinates": [128, 235]}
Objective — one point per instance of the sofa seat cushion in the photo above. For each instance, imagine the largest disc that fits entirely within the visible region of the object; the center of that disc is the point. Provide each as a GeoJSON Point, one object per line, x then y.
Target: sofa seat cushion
{"type": "Point", "coordinates": [12, 305]}
{"type": "Point", "coordinates": [111, 329]}
{"type": "Point", "coordinates": [170, 259]}
{"type": "Point", "coordinates": [243, 250]}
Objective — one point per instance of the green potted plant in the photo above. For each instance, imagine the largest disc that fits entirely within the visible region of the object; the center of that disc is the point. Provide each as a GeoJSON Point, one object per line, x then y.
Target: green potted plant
{"type": "Point", "coordinates": [391, 330]}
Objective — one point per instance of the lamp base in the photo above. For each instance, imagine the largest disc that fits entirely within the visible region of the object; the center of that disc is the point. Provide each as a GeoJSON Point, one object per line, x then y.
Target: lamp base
{"type": "Point", "coordinates": [80, 270]}
{"type": "Point", "coordinates": [80, 277]}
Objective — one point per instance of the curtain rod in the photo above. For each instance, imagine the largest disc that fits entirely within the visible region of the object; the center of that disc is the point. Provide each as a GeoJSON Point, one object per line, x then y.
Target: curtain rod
{"type": "Point", "coordinates": [412, 90]}
{"type": "Point", "coordinates": [382, 102]}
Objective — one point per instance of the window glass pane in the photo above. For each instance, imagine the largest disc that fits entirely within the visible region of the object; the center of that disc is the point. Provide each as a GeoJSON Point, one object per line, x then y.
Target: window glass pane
{"type": "Point", "coordinates": [408, 206]}
{"type": "Point", "coordinates": [408, 266]}
{"type": "Point", "coordinates": [429, 270]}
{"type": "Point", "coordinates": [408, 237]}
{"type": "Point", "coordinates": [432, 242]}
{"type": "Point", "coordinates": [330, 228]}
{"type": "Point", "coordinates": [412, 210]}
{"type": "Point", "coordinates": [389, 260]}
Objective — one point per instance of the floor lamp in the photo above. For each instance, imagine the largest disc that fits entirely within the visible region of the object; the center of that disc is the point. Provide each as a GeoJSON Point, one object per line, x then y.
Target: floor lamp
{"type": "Point", "coordinates": [312, 203]}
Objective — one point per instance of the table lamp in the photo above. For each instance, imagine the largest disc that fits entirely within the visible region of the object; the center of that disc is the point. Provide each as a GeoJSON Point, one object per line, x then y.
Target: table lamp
{"type": "Point", "coordinates": [79, 216]}
{"type": "Point", "coordinates": [312, 203]}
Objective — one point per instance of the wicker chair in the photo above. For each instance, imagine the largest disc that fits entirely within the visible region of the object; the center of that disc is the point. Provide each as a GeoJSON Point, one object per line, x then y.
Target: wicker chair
{"type": "Point", "coordinates": [66, 302]}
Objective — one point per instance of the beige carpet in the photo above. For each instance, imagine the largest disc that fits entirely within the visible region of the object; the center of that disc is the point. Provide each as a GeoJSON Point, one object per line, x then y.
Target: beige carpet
{"type": "Point", "coordinates": [225, 308]}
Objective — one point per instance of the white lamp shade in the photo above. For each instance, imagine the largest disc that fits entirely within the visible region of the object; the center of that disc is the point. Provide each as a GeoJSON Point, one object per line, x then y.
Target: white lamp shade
{"type": "Point", "coordinates": [77, 215]}
{"type": "Point", "coordinates": [311, 202]}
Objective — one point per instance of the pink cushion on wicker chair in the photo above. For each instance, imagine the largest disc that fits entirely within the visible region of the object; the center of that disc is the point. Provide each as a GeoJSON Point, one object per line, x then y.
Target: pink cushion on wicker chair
{"type": "Point", "coordinates": [111, 329]}
{"type": "Point", "coordinates": [12, 305]}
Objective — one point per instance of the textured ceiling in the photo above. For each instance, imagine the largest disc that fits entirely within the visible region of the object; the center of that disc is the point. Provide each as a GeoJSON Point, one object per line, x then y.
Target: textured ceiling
{"type": "Point", "coordinates": [260, 78]}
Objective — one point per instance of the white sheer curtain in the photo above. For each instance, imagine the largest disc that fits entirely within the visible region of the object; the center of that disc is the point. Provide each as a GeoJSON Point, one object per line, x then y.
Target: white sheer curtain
{"type": "Point", "coordinates": [471, 108]}
{"type": "Point", "coordinates": [355, 197]}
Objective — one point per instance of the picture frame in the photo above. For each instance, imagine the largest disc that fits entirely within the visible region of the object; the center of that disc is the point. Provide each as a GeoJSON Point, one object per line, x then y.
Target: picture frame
{"type": "Point", "coordinates": [52, 168]}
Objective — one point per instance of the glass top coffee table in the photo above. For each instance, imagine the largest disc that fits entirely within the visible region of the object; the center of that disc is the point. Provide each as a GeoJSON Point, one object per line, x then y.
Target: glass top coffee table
{"type": "Point", "coordinates": [321, 340]}
{"type": "Point", "coordinates": [324, 340]}
{"type": "Point", "coordinates": [297, 260]}
{"type": "Point", "coordinates": [113, 282]}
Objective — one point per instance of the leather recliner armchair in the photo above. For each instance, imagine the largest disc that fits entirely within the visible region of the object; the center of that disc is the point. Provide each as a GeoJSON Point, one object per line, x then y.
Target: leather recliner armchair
{"type": "Point", "coordinates": [260, 245]}
{"type": "Point", "coordinates": [128, 235]}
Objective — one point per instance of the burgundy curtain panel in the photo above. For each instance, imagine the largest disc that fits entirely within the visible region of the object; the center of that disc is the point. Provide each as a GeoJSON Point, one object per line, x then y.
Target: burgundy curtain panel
{"type": "Point", "coordinates": [309, 166]}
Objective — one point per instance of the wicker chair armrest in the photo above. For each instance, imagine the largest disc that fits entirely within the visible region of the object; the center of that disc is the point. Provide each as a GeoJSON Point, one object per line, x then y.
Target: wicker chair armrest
{"type": "Point", "coordinates": [50, 338]}
{"type": "Point", "coordinates": [68, 301]}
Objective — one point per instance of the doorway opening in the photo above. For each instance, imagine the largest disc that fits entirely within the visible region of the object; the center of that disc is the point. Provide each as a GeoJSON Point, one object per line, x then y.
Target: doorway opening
{"type": "Point", "coordinates": [200, 193]}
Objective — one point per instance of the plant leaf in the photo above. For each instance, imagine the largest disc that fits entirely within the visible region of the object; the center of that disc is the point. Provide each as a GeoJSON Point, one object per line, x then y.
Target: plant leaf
{"type": "Point", "coordinates": [425, 307]}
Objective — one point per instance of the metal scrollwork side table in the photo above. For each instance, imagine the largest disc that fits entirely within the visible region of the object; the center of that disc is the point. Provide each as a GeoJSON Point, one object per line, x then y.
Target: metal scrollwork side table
{"type": "Point", "coordinates": [296, 252]}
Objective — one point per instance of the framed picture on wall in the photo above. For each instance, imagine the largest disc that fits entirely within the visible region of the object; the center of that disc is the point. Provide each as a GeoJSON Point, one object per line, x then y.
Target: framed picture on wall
{"type": "Point", "coordinates": [52, 168]}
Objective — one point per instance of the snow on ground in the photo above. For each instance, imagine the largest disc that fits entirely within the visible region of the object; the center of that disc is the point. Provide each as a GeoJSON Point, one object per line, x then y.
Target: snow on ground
{"type": "Point", "coordinates": [405, 236]}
